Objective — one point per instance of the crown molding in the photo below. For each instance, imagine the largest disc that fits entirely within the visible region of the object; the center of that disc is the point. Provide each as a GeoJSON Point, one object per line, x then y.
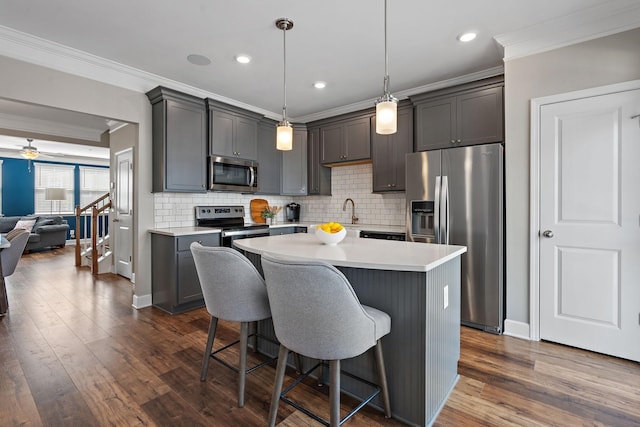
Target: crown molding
{"type": "Point", "coordinates": [370, 103]}
{"type": "Point", "coordinates": [598, 21]}
{"type": "Point", "coordinates": [25, 47]}
{"type": "Point", "coordinates": [36, 50]}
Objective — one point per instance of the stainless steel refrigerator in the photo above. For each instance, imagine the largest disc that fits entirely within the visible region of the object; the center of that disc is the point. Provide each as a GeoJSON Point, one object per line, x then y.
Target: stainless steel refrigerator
{"type": "Point", "coordinates": [456, 196]}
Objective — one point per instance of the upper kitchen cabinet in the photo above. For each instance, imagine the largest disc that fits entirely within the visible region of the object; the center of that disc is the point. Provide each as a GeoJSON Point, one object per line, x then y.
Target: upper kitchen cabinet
{"type": "Point", "coordinates": [179, 134]}
{"type": "Point", "coordinates": [269, 159]}
{"type": "Point", "coordinates": [388, 153]}
{"type": "Point", "coordinates": [346, 141]}
{"type": "Point", "coordinates": [469, 114]}
{"type": "Point", "coordinates": [233, 132]}
{"type": "Point", "coordinates": [319, 177]}
{"type": "Point", "coordinates": [294, 165]}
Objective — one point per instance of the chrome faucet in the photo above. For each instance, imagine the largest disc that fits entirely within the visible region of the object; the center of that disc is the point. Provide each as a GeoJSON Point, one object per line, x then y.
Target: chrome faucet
{"type": "Point", "coordinates": [354, 218]}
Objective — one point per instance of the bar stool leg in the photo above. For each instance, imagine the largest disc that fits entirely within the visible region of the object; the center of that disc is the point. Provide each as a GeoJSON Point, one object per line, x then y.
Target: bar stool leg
{"type": "Point", "coordinates": [334, 393]}
{"type": "Point", "coordinates": [242, 368]}
{"type": "Point", "coordinates": [382, 380]}
{"type": "Point", "coordinates": [213, 323]}
{"type": "Point", "coordinates": [277, 386]}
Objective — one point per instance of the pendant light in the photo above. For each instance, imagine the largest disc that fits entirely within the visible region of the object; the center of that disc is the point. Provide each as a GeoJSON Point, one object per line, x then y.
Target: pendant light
{"type": "Point", "coordinates": [284, 134]}
{"type": "Point", "coordinates": [387, 104]}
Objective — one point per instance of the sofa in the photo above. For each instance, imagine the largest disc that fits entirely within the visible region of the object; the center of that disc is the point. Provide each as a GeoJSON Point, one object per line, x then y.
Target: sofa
{"type": "Point", "coordinates": [46, 231]}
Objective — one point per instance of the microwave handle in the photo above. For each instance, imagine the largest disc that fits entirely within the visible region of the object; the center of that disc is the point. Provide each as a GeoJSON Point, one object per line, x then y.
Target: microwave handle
{"type": "Point", "coordinates": [253, 176]}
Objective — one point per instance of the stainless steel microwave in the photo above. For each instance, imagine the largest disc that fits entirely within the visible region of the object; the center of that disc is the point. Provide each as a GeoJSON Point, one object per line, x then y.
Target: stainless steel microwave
{"type": "Point", "coordinates": [229, 174]}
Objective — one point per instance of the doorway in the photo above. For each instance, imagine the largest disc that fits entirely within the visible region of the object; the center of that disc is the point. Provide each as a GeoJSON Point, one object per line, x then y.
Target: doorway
{"type": "Point", "coordinates": [586, 219]}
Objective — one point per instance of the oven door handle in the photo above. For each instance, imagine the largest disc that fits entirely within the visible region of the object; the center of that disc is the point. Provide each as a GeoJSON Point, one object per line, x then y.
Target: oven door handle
{"type": "Point", "coordinates": [231, 233]}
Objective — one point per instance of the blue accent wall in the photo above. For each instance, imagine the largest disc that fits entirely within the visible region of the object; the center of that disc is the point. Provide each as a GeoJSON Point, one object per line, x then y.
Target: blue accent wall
{"type": "Point", "coordinates": [18, 186]}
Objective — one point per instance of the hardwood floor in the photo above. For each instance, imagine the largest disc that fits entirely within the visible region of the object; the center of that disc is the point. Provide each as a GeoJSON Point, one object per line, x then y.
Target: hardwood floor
{"type": "Point", "coordinates": [74, 352]}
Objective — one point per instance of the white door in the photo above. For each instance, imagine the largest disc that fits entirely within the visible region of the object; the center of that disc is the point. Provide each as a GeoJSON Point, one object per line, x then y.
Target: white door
{"type": "Point", "coordinates": [123, 218]}
{"type": "Point", "coordinates": [590, 223]}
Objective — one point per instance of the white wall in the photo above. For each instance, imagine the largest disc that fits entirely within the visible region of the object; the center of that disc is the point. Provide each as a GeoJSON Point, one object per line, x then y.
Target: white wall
{"type": "Point", "coordinates": [176, 209]}
{"type": "Point", "coordinates": [594, 63]}
{"type": "Point", "coordinates": [26, 82]}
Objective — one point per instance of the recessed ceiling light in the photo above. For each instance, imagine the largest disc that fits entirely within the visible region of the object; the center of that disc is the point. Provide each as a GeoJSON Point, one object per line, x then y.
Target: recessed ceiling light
{"type": "Point", "coordinates": [243, 59]}
{"type": "Point", "coordinates": [320, 85]}
{"type": "Point", "coordinates": [198, 59]}
{"type": "Point", "coordinates": [467, 37]}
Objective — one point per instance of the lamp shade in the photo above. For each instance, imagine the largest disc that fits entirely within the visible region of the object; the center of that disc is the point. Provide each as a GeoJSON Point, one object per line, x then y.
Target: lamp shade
{"type": "Point", "coordinates": [284, 136]}
{"type": "Point", "coordinates": [386, 117]}
{"type": "Point", "coordinates": [55, 194]}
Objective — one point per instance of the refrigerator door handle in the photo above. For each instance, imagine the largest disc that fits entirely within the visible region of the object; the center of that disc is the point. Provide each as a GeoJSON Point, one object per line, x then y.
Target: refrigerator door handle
{"type": "Point", "coordinates": [444, 211]}
{"type": "Point", "coordinates": [436, 211]}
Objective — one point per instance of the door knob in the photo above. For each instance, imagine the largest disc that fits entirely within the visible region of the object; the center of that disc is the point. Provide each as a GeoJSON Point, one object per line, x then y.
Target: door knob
{"type": "Point", "coordinates": [547, 233]}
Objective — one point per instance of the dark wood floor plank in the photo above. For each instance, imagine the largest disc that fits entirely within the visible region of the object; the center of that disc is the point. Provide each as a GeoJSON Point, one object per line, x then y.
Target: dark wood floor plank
{"type": "Point", "coordinates": [108, 401]}
{"type": "Point", "coordinates": [16, 400]}
{"type": "Point", "coordinates": [171, 410]}
{"type": "Point", "coordinates": [58, 400]}
{"type": "Point", "coordinates": [76, 353]}
{"type": "Point", "coordinates": [138, 380]}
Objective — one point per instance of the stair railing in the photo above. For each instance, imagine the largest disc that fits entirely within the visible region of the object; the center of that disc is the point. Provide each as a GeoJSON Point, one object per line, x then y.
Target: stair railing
{"type": "Point", "coordinates": [92, 236]}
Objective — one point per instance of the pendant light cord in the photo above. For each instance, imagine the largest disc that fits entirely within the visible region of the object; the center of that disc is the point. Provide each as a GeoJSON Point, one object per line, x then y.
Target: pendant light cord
{"type": "Point", "coordinates": [386, 55]}
{"type": "Point", "coordinates": [284, 106]}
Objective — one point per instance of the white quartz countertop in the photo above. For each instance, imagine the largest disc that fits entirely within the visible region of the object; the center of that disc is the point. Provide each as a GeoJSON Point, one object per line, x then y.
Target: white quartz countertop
{"type": "Point", "coordinates": [355, 252]}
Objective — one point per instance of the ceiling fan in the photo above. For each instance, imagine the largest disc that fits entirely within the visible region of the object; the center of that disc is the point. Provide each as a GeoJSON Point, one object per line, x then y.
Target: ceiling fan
{"type": "Point", "coordinates": [29, 152]}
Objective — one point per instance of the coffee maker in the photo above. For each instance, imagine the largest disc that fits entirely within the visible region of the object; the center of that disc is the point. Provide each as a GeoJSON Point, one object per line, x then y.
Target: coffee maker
{"type": "Point", "coordinates": [293, 212]}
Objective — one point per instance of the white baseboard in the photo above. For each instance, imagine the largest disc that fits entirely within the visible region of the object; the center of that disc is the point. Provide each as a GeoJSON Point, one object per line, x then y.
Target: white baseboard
{"type": "Point", "coordinates": [516, 329]}
{"type": "Point", "coordinates": [141, 301]}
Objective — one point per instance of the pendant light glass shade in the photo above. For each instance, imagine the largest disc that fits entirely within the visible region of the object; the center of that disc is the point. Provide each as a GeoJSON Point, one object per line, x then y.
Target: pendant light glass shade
{"type": "Point", "coordinates": [386, 115]}
{"type": "Point", "coordinates": [284, 132]}
{"type": "Point", "coordinates": [387, 104]}
{"type": "Point", "coordinates": [284, 136]}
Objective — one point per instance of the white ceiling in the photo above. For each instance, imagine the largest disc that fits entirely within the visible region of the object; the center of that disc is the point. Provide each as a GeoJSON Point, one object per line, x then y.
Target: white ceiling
{"type": "Point", "coordinates": [340, 42]}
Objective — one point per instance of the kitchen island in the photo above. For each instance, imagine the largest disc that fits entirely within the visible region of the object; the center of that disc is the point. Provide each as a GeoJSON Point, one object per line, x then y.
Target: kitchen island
{"type": "Point", "coordinates": [418, 285]}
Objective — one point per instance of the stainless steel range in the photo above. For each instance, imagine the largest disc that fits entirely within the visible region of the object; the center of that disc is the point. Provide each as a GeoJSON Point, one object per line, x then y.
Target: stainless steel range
{"type": "Point", "coordinates": [231, 220]}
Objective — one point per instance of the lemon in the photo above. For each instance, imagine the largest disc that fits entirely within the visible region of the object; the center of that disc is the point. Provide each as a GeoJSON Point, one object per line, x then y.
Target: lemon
{"type": "Point", "coordinates": [330, 227]}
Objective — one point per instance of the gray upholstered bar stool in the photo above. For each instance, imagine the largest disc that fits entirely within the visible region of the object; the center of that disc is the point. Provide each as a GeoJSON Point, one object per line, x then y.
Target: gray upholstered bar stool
{"type": "Point", "coordinates": [317, 314]}
{"type": "Point", "coordinates": [9, 259]}
{"type": "Point", "coordinates": [233, 290]}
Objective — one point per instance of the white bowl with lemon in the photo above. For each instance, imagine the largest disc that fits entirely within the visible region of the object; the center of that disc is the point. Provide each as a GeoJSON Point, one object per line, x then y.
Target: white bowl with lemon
{"type": "Point", "coordinates": [330, 233]}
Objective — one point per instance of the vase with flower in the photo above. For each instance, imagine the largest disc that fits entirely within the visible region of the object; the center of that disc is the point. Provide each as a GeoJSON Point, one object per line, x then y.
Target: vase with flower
{"type": "Point", "coordinates": [270, 214]}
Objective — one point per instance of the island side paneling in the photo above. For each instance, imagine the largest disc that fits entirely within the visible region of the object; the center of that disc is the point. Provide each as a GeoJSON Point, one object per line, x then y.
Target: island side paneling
{"type": "Point", "coordinates": [421, 352]}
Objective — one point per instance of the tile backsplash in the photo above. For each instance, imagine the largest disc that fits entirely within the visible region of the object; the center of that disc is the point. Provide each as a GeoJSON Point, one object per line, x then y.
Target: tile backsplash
{"type": "Point", "coordinates": [177, 209]}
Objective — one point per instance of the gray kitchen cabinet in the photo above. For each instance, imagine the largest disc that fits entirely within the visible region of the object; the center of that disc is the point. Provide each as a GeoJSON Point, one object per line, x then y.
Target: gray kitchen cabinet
{"type": "Point", "coordinates": [174, 281]}
{"type": "Point", "coordinates": [346, 141]}
{"type": "Point", "coordinates": [179, 133]}
{"type": "Point", "coordinates": [294, 165]}
{"type": "Point", "coordinates": [269, 159]}
{"type": "Point", "coordinates": [319, 176]}
{"type": "Point", "coordinates": [388, 153]}
{"type": "Point", "coordinates": [465, 115]}
{"type": "Point", "coordinates": [233, 132]}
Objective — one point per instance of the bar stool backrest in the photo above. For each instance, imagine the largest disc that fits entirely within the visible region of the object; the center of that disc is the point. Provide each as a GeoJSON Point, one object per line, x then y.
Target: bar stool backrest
{"type": "Point", "coordinates": [233, 288]}
{"type": "Point", "coordinates": [315, 311]}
